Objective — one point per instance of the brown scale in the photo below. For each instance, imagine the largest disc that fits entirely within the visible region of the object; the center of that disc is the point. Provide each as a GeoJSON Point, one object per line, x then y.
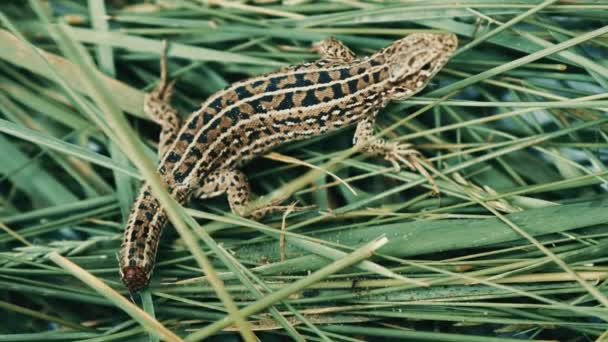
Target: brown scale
{"type": "Point", "coordinates": [312, 77]}
{"type": "Point", "coordinates": [324, 93]}
{"type": "Point", "coordinates": [335, 75]}
{"type": "Point", "coordinates": [250, 117]}
{"type": "Point", "coordinates": [288, 82]}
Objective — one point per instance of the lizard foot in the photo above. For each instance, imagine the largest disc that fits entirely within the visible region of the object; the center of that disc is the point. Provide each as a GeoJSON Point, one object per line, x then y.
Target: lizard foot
{"type": "Point", "coordinates": [404, 154]}
{"type": "Point", "coordinates": [273, 207]}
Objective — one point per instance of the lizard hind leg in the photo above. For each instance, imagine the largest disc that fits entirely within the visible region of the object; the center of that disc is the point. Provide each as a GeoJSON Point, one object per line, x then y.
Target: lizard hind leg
{"type": "Point", "coordinates": [157, 106]}
{"type": "Point", "coordinates": [234, 183]}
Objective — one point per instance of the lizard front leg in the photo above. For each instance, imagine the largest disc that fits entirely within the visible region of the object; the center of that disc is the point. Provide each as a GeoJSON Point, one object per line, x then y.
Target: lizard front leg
{"type": "Point", "coordinates": [396, 153]}
{"type": "Point", "coordinates": [156, 105]}
{"type": "Point", "coordinates": [333, 50]}
{"type": "Point", "coordinates": [234, 183]}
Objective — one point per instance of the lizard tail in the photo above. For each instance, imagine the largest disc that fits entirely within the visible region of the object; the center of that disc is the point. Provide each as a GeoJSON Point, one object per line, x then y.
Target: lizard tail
{"type": "Point", "coordinates": [140, 241]}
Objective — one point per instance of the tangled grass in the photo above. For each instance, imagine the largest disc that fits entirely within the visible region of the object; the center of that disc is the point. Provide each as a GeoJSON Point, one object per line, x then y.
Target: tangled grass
{"type": "Point", "coordinates": [514, 129]}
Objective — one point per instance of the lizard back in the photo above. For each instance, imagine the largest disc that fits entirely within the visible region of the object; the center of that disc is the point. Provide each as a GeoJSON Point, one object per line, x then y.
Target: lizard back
{"type": "Point", "coordinates": [251, 117]}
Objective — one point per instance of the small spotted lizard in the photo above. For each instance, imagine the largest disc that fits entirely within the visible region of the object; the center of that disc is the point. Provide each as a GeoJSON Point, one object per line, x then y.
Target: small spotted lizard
{"type": "Point", "coordinates": [202, 156]}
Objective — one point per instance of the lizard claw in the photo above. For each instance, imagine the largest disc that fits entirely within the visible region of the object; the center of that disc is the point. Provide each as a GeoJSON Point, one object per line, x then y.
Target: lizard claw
{"type": "Point", "coordinates": [401, 154]}
{"type": "Point", "coordinates": [404, 154]}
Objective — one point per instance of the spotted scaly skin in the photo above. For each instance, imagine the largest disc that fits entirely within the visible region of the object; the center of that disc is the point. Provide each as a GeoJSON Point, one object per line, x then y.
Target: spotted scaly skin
{"type": "Point", "coordinates": [202, 156]}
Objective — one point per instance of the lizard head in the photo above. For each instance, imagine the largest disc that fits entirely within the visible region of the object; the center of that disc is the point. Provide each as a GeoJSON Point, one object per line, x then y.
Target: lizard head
{"type": "Point", "coordinates": [415, 59]}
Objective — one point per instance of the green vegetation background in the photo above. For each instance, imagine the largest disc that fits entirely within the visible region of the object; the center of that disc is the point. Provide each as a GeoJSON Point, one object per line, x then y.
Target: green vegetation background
{"type": "Point", "coordinates": [514, 130]}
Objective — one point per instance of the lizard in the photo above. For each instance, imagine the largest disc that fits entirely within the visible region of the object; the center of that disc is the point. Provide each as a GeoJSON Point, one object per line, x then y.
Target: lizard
{"type": "Point", "coordinates": [201, 157]}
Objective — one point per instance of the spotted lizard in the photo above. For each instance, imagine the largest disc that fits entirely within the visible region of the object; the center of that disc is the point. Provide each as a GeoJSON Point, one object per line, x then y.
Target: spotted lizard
{"type": "Point", "coordinates": [202, 156]}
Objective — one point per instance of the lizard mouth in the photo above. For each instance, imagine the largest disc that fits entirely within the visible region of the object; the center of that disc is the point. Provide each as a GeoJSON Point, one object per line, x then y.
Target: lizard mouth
{"type": "Point", "coordinates": [134, 278]}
